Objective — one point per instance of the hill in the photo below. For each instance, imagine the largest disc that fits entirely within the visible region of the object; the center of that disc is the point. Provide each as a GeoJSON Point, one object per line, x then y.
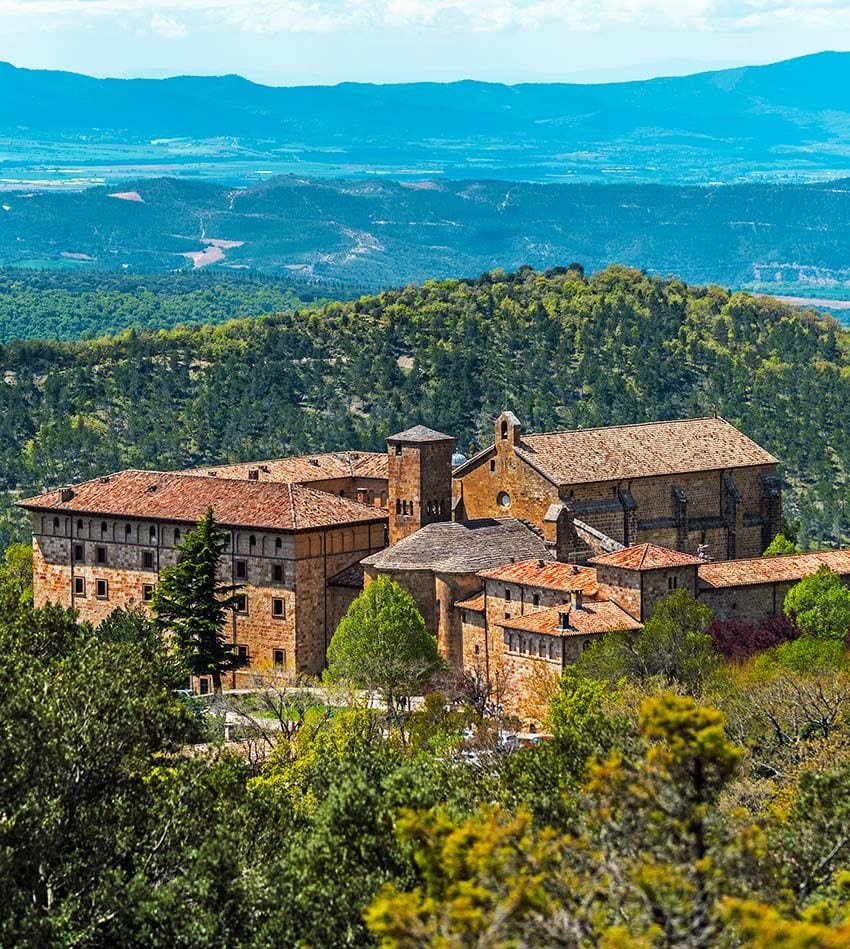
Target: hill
{"type": "Point", "coordinates": [777, 121]}
{"type": "Point", "coordinates": [374, 234]}
{"type": "Point", "coordinates": [571, 352]}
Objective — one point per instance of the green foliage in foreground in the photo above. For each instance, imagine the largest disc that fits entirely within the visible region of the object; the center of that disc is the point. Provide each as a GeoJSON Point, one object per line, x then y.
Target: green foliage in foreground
{"type": "Point", "coordinates": [820, 605]}
{"type": "Point", "coordinates": [617, 347]}
{"type": "Point", "coordinates": [779, 546]}
{"type": "Point", "coordinates": [382, 645]}
{"type": "Point", "coordinates": [650, 819]}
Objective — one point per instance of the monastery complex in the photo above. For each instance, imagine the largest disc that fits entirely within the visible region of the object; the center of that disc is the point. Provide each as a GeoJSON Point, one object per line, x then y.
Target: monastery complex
{"type": "Point", "coordinates": [517, 557]}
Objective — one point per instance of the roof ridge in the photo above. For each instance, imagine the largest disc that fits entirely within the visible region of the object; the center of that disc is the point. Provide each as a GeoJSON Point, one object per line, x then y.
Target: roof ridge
{"type": "Point", "coordinates": [602, 428]}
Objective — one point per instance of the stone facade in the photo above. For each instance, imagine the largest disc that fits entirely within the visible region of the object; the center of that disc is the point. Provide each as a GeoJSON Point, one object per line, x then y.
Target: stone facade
{"type": "Point", "coordinates": [728, 512]}
{"type": "Point", "coordinates": [99, 564]}
{"type": "Point", "coordinates": [419, 464]}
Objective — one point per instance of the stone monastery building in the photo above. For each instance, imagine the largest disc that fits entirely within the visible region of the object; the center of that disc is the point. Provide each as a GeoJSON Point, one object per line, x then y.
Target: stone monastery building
{"type": "Point", "coordinates": [517, 557]}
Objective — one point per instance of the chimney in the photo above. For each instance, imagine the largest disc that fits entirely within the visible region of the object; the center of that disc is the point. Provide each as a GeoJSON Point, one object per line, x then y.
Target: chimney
{"type": "Point", "coordinates": [578, 597]}
{"type": "Point", "coordinates": [253, 474]}
{"type": "Point", "coordinates": [66, 494]}
{"type": "Point", "coordinates": [564, 617]}
{"type": "Point", "coordinates": [541, 564]}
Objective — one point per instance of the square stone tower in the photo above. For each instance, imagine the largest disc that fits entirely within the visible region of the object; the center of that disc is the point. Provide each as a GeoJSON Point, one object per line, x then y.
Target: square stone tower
{"type": "Point", "coordinates": [420, 480]}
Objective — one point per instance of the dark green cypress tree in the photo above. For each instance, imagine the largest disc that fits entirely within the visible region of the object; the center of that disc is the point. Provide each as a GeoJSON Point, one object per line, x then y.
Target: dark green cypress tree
{"type": "Point", "coordinates": [192, 605]}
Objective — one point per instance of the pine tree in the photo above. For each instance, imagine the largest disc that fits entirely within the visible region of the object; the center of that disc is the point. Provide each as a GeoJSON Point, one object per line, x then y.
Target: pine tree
{"type": "Point", "coordinates": [192, 605]}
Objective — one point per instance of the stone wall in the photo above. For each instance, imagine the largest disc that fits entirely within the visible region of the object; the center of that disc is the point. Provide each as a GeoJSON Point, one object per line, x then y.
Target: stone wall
{"type": "Point", "coordinates": [299, 626]}
{"type": "Point", "coordinates": [638, 592]}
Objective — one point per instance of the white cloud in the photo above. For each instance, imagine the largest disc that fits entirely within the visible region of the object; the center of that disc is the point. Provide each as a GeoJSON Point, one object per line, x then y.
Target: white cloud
{"type": "Point", "coordinates": [278, 16]}
{"type": "Point", "coordinates": [167, 27]}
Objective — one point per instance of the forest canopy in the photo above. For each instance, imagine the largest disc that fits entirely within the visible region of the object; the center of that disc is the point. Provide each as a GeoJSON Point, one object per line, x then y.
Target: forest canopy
{"type": "Point", "coordinates": [563, 350]}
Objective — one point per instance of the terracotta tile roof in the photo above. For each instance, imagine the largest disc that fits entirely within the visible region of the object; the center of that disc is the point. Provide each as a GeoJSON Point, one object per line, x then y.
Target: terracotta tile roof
{"type": "Point", "coordinates": [169, 496]}
{"type": "Point", "coordinates": [595, 616]}
{"type": "Point", "coordinates": [467, 547]}
{"type": "Point", "coordinates": [620, 452]}
{"type": "Point", "coordinates": [548, 574]}
{"type": "Point", "coordinates": [647, 557]}
{"type": "Point", "coordinates": [420, 433]}
{"type": "Point", "coordinates": [305, 469]}
{"type": "Point", "coordinates": [475, 603]}
{"type": "Point", "coordinates": [789, 567]}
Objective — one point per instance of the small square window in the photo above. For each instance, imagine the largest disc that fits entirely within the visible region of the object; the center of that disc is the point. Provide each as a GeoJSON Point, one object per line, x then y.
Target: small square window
{"type": "Point", "coordinates": [242, 652]}
{"type": "Point", "coordinates": [279, 608]}
{"type": "Point", "coordinates": [279, 656]}
{"type": "Point", "coordinates": [79, 553]}
{"type": "Point", "coordinates": [147, 559]}
{"type": "Point", "coordinates": [277, 573]}
{"type": "Point", "coordinates": [79, 586]}
{"type": "Point", "coordinates": [241, 569]}
{"type": "Point", "coordinates": [241, 604]}
{"type": "Point", "coordinates": [101, 589]}
{"type": "Point", "coordinates": [147, 592]}
{"type": "Point", "coordinates": [100, 555]}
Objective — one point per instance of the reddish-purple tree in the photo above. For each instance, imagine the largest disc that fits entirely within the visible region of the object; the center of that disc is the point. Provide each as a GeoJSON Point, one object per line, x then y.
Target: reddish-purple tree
{"type": "Point", "coordinates": [736, 639]}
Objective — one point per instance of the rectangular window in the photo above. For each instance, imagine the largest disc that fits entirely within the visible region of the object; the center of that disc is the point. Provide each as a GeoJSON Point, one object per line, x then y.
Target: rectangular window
{"type": "Point", "coordinates": [493, 465]}
{"type": "Point", "coordinates": [241, 569]}
{"type": "Point", "coordinates": [242, 652]}
{"type": "Point", "coordinates": [279, 608]}
{"type": "Point", "coordinates": [204, 685]}
{"type": "Point", "coordinates": [277, 573]}
{"type": "Point", "coordinates": [79, 553]}
{"type": "Point", "coordinates": [507, 594]}
{"type": "Point", "coordinates": [101, 589]}
{"type": "Point", "coordinates": [279, 658]}
{"type": "Point", "coordinates": [100, 556]}
{"type": "Point", "coordinates": [79, 586]}
{"type": "Point", "coordinates": [147, 559]}
{"type": "Point", "coordinates": [241, 603]}
{"type": "Point", "coordinates": [147, 592]}
{"type": "Point", "coordinates": [536, 599]}
{"type": "Point", "coordinates": [477, 649]}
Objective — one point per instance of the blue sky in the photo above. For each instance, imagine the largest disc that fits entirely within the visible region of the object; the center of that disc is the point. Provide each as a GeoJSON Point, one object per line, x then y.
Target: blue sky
{"type": "Point", "coordinates": [325, 41]}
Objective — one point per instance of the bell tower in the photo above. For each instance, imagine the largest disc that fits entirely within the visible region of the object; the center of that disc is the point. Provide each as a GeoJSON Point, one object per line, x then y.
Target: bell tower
{"type": "Point", "coordinates": [420, 480]}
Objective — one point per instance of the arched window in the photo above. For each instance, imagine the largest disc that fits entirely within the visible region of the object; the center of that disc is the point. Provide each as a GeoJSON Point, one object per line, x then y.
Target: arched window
{"type": "Point", "coordinates": [80, 524]}
{"type": "Point", "coordinates": [252, 540]}
{"type": "Point", "coordinates": [398, 506]}
{"type": "Point", "coordinates": [504, 428]}
{"type": "Point", "coordinates": [103, 527]}
{"type": "Point", "coordinates": [176, 535]}
{"type": "Point", "coordinates": [152, 532]}
{"type": "Point", "coordinates": [278, 543]}
{"type": "Point", "coordinates": [55, 523]}
{"type": "Point", "coordinates": [128, 529]}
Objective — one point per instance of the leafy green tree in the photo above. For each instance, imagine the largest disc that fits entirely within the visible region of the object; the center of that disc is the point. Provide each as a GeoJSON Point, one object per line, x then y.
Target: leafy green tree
{"type": "Point", "coordinates": [820, 605]}
{"type": "Point", "coordinates": [383, 645]}
{"type": "Point", "coordinates": [674, 645]}
{"type": "Point", "coordinates": [16, 572]}
{"type": "Point", "coordinates": [780, 545]}
{"type": "Point", "coordinates": [192, 604]}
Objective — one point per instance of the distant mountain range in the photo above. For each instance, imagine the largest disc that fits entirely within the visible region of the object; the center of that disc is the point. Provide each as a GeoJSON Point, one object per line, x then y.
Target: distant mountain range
{"type": "Point", "coordinates": [379, 233]}
{"type": "Point", "coordinates": [776, 122]}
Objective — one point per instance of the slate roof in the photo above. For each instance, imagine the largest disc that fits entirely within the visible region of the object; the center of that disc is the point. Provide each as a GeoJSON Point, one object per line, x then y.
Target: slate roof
{"type": "Point", "coordinates": [420, 433]}
{"type": "Point", "coordinates": [783, 569]}
{"type": "Point", "coordinates": [304, 469]}
{"type": "Point", "coordinates": [647, 557]}
{"type": "Point", "coordinates": [170, 496]}
{"type": "Point", "coordinates": [620, 452]}
{"type": "Point", "coordinates": [594, 616]}
{"type": "Point", "coordinates": [351, 577]}
{"type": "Point", "coordinates": [550, 575]}
{"type": "Point", "coordinates": [467, 547]}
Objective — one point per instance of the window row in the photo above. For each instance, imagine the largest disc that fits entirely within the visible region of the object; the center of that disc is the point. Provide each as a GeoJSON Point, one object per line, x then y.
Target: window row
{"type": "Point", "coordinates": [542, 647]}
